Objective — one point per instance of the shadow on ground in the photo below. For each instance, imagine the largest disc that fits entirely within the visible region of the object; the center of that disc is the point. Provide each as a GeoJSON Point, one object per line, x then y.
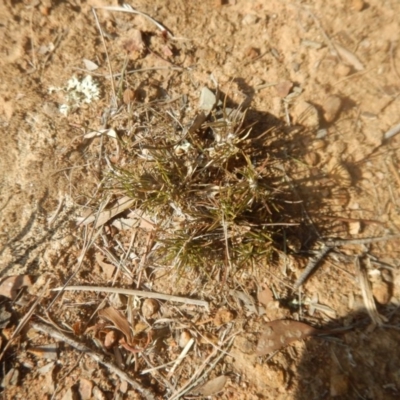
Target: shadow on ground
{"type": "Point", "coordinates": [362, 363]}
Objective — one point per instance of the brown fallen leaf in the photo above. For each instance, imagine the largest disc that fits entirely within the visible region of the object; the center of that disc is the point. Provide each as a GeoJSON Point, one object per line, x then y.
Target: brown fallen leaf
{"type": "Point", "coordinates": [280, 333]}
{"type": "Point", "coordinates": [10, 285]}
{"type": "Point", "coordinates": [212, 386]}
{"type": "Point", "coordinates": [283, 88]}
{"type": "Point", "coordinates": [120, 322]}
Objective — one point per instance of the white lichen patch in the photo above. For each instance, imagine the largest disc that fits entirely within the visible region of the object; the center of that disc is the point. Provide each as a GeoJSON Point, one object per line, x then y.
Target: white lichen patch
{"type": "Point", "coordinates": [77, 93]}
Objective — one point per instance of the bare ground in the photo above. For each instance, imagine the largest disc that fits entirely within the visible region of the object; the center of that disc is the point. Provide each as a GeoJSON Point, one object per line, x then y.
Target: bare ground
{"type": "Point", "coordinates": [252, 49]}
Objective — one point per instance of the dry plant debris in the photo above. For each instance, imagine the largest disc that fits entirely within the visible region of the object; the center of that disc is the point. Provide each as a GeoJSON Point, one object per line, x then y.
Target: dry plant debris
{"type": "Point", "coordinates": [278, 334]}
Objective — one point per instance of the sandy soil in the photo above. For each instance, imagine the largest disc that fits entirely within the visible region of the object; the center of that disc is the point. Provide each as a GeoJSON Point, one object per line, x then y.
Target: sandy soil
{"type": "Point", "coordinates": [331, 69]}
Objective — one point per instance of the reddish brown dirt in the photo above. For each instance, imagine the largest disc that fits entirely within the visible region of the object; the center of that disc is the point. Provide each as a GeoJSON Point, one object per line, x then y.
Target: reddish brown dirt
{"type": "Point", "coordinates": [251, 48]}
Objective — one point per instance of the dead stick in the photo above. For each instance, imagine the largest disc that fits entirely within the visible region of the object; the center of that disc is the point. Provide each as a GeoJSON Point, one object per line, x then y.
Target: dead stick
{"type": "Point", "coordinates": [328, 246]}
{"type": "Point", "coordinates": [312, 264]}
{"type": "Point", "coordinates": [147, 394]}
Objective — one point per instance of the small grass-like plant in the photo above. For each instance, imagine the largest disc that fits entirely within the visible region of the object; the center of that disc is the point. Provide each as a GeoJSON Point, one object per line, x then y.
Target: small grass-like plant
{"type": "Point", "coordinates": [213, 203]}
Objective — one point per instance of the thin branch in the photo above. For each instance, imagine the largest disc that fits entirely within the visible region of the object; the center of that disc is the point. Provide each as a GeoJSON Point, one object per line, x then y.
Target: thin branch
{"type": "Point", "coordinates": [342, 242]}
{"type": "Point", "coordinates": [329, 244]}
{"type": "Point", "coordinates": [312, 264]}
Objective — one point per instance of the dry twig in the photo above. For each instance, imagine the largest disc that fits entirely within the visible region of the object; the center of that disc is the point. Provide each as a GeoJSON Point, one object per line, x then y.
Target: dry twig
{"type": "Point", "coordinates": [140, 293]}
{"type": "Point", "coordinates": [328, 246]}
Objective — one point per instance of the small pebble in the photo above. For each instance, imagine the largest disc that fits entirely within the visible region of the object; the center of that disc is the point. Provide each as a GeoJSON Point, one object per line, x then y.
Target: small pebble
{"type": "Point", "coordinates": [321, 133]}
{"type": "Point", "coordinates": [381, 292]}
{"type": "Point", "coordinates": [85, 388]}
{"type": "Point", "coordinates": [368, 115]}
{"type": "Point", "coordinates": [342, 70]}
{"type": "Point", "coordinates": [251, 53]}
{"type": "Point", "coordinates": [110, 339]}
{"type": "Point", "coordinates": [311, 158]}
{"type": "Point", "coordinates": [184, 339]}
{"type": "Point", "coordinates": [331, 107]}
{"type": "Point", "coordinates": [357, 5]}
{"type": "Point", "coordinates": [150, 307]}
{"type": "Point", "coordinates": [354, 227]}
{"type": "Point", "coordinates": [318, 144]}
{"type": "Point", "coordinates": [207, 100]}
{"type": "Point", "coordinates": [98, 394]}
{"type": "Point", "coordinates": [128, 96]}
{"type": "Point", "coordinates": [223, 317]}
{"type": "Point", "coordinates": [306, 114]}
{"type": "Point", "coordinates": [249, 19]}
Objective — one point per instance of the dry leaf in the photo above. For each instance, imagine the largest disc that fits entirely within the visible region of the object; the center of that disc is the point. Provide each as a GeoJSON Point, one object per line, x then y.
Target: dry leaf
{"type": "Point", "coordinates": [108, 132]}
{"type": "Point", "coordinates": [107, 268]}
{"type": "Point", "coordinates": [120, 322]}
{"type": "Point", "coordinates": [10, 285]}
{"type": "Point", "coordinates": [248, 301]}
{"type": "Point", "coordinates": [11, 378]}
{"type": "Point", "coordinates": [280, 333]}
{"type": "Point", "coordinates": [144, 220]}
{"type": "Point", "coordinates": [283, 88]}
{"type": "Point", "coordinates": [122, 204]}
{"type": "Point", "coordinates": [150, 307]}
{"type": "Point", "coordinates": [349, 57]}
{"type": "Point", "coordinates": [213, 386]}
{"type": "Point", "coordinates": [77, 328]}
{"type": "Point", "coordinates": [369, 301]}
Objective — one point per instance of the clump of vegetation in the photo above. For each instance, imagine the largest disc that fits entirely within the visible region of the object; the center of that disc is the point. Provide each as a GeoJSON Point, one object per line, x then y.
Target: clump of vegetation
{"type": "Point", "coordinates": [210, 186]}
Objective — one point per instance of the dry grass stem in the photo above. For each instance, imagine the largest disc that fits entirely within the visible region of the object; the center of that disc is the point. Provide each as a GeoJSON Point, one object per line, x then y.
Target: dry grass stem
{"type": "Point", "coordinates": [369, 301]}
{"type": "Point", "coordinates": [181, 357]}
{"type": "Point", "coordinates": [139, 293]}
